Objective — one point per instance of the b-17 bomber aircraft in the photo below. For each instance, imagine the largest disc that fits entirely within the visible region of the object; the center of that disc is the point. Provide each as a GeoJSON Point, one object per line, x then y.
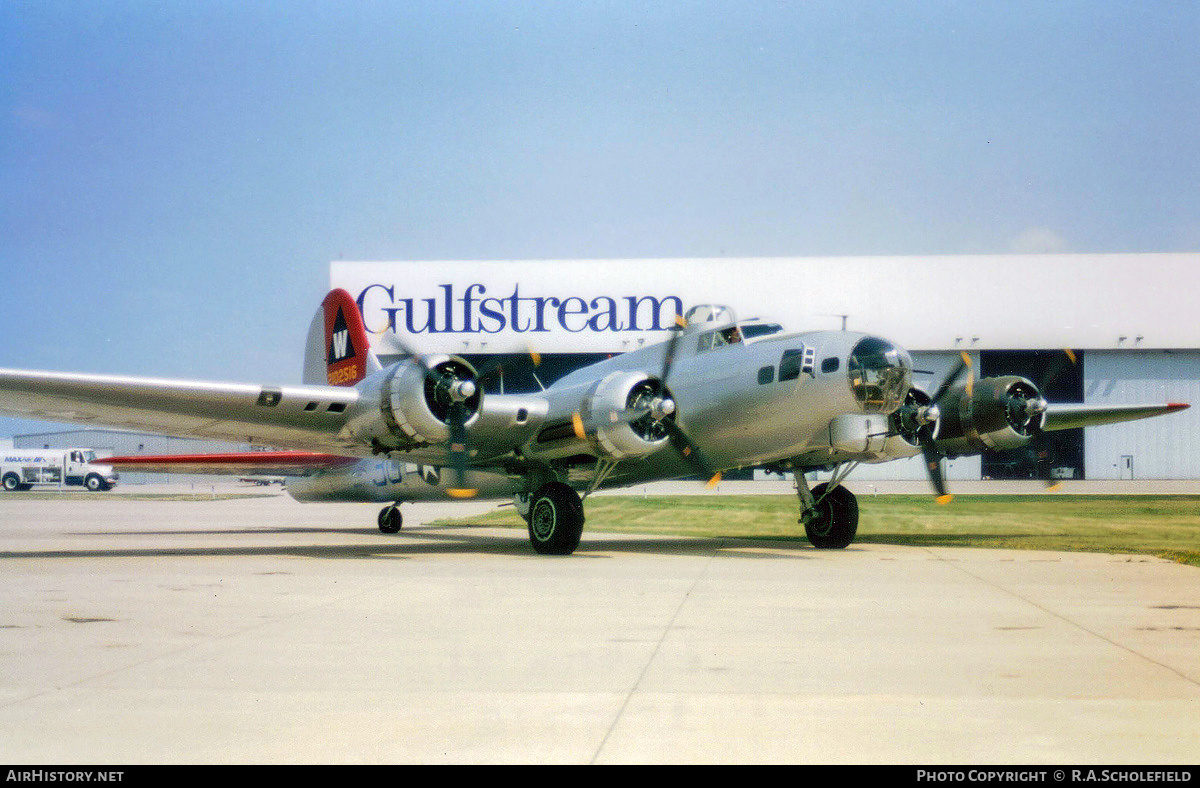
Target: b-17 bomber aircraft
{"type": "Point", "coordinates": [718, 394]}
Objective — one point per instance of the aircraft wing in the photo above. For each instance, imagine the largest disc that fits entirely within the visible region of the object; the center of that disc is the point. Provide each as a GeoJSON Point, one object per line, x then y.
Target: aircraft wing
{"type": "Point", "coordinates": [246, 463]}
{"type": "Point", "coordinates": [1070, 416]}
{"type": "Point", "coordinates": [307, 417]}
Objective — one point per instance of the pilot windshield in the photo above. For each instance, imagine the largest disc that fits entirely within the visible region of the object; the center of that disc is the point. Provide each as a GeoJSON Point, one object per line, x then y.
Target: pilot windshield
{"type": "Point", "coordinates": [880, 375]}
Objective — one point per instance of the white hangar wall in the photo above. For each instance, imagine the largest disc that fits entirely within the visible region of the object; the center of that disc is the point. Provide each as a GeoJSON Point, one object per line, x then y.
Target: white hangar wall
{"type": "Point", "coordinates": [1115, 301]}
{"type": "Point", "coordinates": [1130, 314]}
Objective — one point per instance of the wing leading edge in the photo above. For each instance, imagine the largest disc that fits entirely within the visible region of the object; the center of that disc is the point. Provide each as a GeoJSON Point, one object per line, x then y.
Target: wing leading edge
{"type": "Point", "coordinates": [1069, 416]}
{"type": "Point", "coordinates": [249, 463]}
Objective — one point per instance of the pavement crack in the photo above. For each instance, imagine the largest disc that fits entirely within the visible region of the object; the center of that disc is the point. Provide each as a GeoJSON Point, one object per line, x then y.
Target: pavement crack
{"type": "Point", "coordinates": [654, 653]}
{"type": "Point", "coordinates": [1055, 614]}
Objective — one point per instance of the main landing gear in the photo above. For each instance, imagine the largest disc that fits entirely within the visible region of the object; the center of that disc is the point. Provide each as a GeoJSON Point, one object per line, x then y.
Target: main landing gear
{"type": "Point", "coordinates": [555, 518]}
{"type": "Point", "coordinates": [828, 512]}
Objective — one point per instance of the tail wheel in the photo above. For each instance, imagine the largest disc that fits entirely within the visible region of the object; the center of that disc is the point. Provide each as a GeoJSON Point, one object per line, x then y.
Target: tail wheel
{"type": "Point", "coordinates": [834, 523]}
{"type": "Point", "coordinates": [555, 520]}
{"type": "Point", "coordinates": [390, 519]}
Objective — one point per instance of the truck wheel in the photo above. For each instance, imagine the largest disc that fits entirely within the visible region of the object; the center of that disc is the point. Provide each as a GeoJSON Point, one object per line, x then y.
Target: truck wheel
{"type": "Point", "coordinates": [12, 482]}
{"type": "Point", "coordinates": [94, 483]}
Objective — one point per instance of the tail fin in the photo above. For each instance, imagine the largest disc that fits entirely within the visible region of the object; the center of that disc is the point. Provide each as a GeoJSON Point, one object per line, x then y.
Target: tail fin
{"type": "Point", "coordinates": [338, 353]}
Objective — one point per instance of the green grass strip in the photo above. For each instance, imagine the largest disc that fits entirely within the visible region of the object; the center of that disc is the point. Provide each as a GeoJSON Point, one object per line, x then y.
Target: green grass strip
{"type": "Point", "coordinates": [1167, 526]}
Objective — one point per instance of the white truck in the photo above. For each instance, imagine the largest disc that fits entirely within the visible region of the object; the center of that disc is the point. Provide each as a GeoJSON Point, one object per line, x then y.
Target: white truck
{"type": "Point", "coordinates": [22, 469]}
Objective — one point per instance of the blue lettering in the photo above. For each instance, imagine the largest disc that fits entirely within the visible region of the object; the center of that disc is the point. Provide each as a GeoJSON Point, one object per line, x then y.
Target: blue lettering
{"type": "Point", "coordinates": [611, 323]}
{"type": "Point", "coordinates": [487, 312]}
{"type": "Point", "coordinates": [565, 310]}
{"type": "Point", "coordinates": [483, 314]}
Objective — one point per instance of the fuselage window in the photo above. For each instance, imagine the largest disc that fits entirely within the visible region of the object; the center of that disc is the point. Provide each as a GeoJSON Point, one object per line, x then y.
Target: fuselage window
{"type": "Point", "coordinates": [789, 365]}
{"type": "Point", "coordinates": [830, 364]}
{"type": "Point", "coordinates": [766, 375]}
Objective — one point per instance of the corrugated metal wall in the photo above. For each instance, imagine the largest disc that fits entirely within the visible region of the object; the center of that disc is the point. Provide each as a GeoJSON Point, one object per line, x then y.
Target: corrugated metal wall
{"type": "Point", "coordinates": [1167, 447]}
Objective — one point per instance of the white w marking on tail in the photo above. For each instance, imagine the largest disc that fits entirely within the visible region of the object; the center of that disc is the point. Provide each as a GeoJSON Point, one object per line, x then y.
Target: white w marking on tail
{"type": "Point", "coordinates": [340, 341]}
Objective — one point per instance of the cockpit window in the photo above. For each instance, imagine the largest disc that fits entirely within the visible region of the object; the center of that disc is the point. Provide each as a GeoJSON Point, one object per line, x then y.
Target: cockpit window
{"type": "Point", "coordinates": [715, 339]}
{"type": "Point", "coordinates": [880, 375]}
{"type": "Point", "coordinates": [755, 330]}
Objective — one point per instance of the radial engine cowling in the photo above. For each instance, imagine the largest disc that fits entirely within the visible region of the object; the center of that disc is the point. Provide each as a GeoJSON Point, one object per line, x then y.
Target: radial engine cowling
{"type": "Point", "coordinates": [1000, 413]}
{"type": "Point", "coordinates": [410, 404]}
{"type": "Point", "coordinates": [622, 414]}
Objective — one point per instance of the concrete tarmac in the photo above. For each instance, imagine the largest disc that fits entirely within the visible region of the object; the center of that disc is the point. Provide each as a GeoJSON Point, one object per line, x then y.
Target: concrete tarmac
{"type": "Point", "coordinates": [261, 630]}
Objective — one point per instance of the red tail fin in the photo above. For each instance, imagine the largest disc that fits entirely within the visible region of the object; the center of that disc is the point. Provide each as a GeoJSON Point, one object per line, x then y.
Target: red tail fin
{"type": "Point", "coordinates": [348, 357]}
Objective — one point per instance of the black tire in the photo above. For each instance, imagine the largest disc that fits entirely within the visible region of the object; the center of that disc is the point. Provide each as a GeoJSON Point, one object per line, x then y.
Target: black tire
{"type": "Point", "coordinates": [12, 482]}
{"type": "Point", "coordinates": [555, 520]}
{"type": "Point", "coordinates": [94, 483]}
{"type": "Point", "coordinates": [835, 523]}
{"type": "Point", "coordinates": [390, 519]}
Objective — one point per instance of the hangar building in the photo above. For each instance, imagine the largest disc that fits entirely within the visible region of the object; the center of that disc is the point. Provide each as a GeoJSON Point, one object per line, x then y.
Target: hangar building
{"type": "Point", "coordinates": [1128, 318]}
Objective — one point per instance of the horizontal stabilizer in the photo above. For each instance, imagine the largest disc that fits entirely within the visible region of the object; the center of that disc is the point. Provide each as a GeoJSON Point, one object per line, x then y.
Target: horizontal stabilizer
{"type": "Point", "coordinates": [246, 463]}
{"type": "Point", "coordinates": [1070, 416]}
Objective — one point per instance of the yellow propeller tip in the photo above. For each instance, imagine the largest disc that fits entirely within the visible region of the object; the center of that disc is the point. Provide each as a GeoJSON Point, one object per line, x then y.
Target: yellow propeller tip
{"type": "Point", "coordinates": [577, 423]}
{"type": "Point", "coordinates": [456, 492]}
{"type": "Point", "coordinates": [1054, 487]}
{"type": "Point", "coordinates": [714, 481]}
{"type": "Point", "coordinates": [945, 499]}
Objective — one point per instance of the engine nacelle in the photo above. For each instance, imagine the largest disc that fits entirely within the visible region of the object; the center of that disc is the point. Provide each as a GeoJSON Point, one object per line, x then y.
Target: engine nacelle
{"type": "Point", "coordinates": [621, 415]}
{"type": "Point", "coordinates": [403, 406]}
{"type": "Point", "coordinates": [1000, 413]}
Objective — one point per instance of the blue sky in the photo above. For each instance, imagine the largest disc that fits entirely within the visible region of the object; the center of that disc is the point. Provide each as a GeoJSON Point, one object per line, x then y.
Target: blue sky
{"type": "Point", "coordinates": [176, 177]}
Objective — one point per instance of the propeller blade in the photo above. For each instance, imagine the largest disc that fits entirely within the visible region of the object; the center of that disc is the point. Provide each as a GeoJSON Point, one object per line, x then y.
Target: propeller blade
{"type": "Point", "coordinates": [691, 453]}
{"type": "Point", "coordinates": [1041, 441]}
{"type": "Point", "coordinates": [963, 365]}
{"type": "Point", "coordinates": [1056, 368]}
{"type": "Point", "coordinates": [672, 345]}
{"type": "Point", "coordinates": [933, 466]}
{"type": "Point", "coordinates": [457, 451]}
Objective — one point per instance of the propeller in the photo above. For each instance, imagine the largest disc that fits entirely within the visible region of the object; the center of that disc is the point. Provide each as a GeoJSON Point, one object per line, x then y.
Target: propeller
{"type": "Point", "coordinates": [1026, 408]}
{"type": "Point", "coordinates": [679, 439]}
{"type": "Point", "coordinates": [448, 394]}
{"type": "Point", "coordinates": [652, 412]}
{"type": "Point", "coordinates": [1041, 440]}
{"type": "Point", "coordinates": [928, 416]}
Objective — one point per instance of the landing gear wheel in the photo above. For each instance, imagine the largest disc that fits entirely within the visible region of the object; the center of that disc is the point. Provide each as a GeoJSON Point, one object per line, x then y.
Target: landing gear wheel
{"type": "Point", "coordinates": [555, 520]}
{"type": "Point", "coordinates": [834, 523]}
{"type": "Point", "coordinates": [390, 519]}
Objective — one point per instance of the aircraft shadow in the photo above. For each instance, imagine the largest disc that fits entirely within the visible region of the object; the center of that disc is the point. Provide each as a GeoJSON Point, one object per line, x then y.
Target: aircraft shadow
{"type": "Point", "coordinates": [420, 540]}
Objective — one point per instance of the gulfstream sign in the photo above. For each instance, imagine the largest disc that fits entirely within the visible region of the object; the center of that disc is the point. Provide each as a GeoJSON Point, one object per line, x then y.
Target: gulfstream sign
{"type": "Point", "coordinates": [476, 309]}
